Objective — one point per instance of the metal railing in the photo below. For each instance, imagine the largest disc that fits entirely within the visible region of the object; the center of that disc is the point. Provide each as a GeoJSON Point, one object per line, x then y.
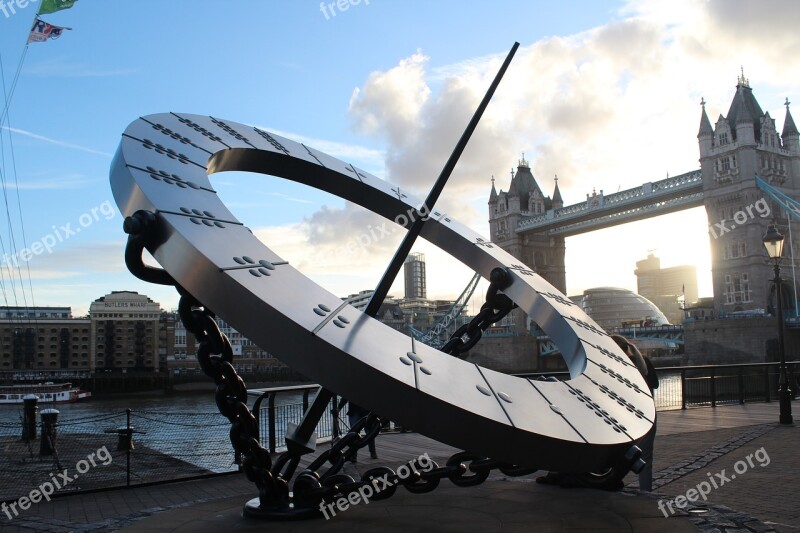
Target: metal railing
{"type": "Point", "coordinates": [711, 385]}
{"type": "Point", "coordinates": [273, 416]}
{"type": "Point", "coordinates": [140, 446]}
{"type": "Point", "coordinates": [681, 387]}
{"type": "Point", "coordinates": [112, 449]}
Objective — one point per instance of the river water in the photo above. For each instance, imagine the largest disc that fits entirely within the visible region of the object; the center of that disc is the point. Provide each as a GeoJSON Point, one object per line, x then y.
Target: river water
{"type": "Point", "coordinates": [187, 426]}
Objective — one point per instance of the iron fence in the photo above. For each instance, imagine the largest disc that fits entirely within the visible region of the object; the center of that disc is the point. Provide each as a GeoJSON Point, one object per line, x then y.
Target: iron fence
{"type": "Point", "coordinates": [731, 384]}
{"type": "Point", "coordinates": [117, 449]}
{"type": "Point", "coordinates": [681, 387]}
{"type": "Point", "coordinates": [273, 418]}
{"type": "Point", "coordinates": [132, 447]}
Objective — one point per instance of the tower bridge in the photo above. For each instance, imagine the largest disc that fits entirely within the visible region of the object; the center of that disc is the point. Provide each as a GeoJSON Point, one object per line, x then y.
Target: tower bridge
{"type": "Point", "coordinates": [603, 211]}
{"type": "Point", "coordinates": [738, 148]}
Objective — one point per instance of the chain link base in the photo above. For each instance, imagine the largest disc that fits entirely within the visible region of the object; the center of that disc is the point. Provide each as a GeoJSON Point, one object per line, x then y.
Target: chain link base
{"type": "Point", "coordinates": [253, 509]}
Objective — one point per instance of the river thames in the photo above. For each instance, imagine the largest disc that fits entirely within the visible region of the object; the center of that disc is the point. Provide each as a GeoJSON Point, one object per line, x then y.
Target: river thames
{"type": "Point", "coordinates": [187, 426]}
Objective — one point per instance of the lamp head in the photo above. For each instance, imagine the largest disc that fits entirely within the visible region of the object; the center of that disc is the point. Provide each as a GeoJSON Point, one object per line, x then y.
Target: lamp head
{"type": "Point", "coordinates": [773, 242]}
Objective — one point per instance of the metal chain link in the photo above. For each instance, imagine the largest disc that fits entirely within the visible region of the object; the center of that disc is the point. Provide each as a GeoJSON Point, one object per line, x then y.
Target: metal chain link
{"type": "Point", "coordinates": [215, 355]}
{"type": "Point", "coordinates": [311, 489]}
{"type": "Point", "coordinates": [496, 307]}
{"type": "Point", "coordinates": [462, 469]}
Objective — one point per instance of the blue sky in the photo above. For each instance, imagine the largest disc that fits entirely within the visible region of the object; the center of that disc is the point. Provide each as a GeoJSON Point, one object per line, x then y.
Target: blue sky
{"type": "Point", "coordinates": [605, 94]}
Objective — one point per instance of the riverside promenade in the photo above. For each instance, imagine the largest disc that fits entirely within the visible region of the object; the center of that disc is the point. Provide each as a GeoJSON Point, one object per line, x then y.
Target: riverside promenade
{"type": "Point", "coordinates": [752, 460]}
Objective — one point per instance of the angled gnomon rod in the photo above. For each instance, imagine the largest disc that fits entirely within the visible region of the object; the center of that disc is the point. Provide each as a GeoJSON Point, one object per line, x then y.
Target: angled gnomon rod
{"type": "Point", "coordinates": [419, 220]}
{"type": "Point", "coordinates": [300, 439]}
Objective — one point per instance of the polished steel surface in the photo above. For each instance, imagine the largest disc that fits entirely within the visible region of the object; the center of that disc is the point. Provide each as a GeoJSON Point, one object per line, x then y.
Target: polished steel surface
{"type": "Point", "coordinates": [584, 424]}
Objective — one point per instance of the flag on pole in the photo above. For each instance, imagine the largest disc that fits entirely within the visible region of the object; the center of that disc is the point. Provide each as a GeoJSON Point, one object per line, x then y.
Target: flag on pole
{"type": "Point", "coordinates": [51, 6]}
{"type": "Point", "coordinates": [43, 31]}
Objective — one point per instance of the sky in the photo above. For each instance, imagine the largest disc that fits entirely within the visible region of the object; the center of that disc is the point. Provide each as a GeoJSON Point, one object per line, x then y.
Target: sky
{"type": "Point", "coordinates": [603, 94]}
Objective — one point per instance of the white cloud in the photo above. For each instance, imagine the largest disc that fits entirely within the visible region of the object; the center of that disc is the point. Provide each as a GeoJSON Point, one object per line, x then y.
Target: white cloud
{"type": "Point", "coordinates": [56, 141]}
{"type": "Point", "coordinates": [608, 108]}
{"type": "Point", "coordinates": [403, 86]}
{"type": "Point", "coordinates": [344, 250]}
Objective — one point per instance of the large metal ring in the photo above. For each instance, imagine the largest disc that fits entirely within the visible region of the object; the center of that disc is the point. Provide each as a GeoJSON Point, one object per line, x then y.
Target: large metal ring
{"type": "Point", "coordinates": [162, 165]}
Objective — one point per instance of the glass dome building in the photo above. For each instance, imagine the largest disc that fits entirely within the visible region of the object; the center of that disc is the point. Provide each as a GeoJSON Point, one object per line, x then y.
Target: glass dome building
{"type": "Point", "coordinates": [613, 307]}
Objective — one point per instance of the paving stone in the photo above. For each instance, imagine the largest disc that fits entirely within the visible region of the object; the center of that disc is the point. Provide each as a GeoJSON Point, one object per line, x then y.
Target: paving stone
{"type": "Point", "coordinates": [765, 496]}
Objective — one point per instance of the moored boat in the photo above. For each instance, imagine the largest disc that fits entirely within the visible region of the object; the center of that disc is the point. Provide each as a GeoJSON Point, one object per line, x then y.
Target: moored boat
{"type": "Point", "coordinates": [46, 392]}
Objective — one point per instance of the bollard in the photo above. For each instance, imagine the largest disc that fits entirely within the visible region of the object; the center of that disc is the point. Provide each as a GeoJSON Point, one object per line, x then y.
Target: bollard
{"type": "Point", "coordinates": [49, 425]}
{"type": "Point", "coordinates": [125, 439]}
{"type": "Point", "coordinates": [30, 408]}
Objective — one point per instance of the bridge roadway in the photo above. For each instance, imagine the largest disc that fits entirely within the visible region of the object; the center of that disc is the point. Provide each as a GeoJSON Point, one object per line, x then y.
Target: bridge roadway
{"type": "Point", "coordinates": [602, 211]}
{"type": "Point", "coordinates": [667, 333]}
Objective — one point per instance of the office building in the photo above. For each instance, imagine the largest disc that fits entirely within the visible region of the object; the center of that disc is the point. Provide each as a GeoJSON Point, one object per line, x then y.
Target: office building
{"type": "Point", "coordinates": [414, 271]}
{"type": "Point", "coordinates": [669, 288]}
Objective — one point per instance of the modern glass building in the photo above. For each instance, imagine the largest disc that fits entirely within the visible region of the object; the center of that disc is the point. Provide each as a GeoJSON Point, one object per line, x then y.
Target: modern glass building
{"type": "Point", "coordinates": [613, 307]}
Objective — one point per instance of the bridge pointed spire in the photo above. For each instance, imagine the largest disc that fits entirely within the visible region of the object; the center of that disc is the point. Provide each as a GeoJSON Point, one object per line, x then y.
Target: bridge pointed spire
{"type": "Point", "coordinates": [557, 200]}
{"type": "Point", "coordinates": [705, 124]}
{"type": "Point", "coordinates": [789, 128]}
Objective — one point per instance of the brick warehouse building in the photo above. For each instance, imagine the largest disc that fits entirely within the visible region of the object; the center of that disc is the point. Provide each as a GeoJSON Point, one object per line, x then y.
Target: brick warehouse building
{"type": "Point", "coordinates": [44, 338]}
{"type": "Point", "coordinates": [125, 332]}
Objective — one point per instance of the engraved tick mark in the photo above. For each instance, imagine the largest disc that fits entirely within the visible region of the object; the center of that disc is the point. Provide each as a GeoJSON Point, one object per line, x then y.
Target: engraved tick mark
{"type": "Point", "coordinates": [521, 269]}
{"type": "Point", "coordinates": [262, 267]}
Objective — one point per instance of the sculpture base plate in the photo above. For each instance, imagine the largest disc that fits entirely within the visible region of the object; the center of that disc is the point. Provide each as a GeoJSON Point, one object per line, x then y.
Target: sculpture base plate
{"type": "Point", "coordinates": [252, 509]}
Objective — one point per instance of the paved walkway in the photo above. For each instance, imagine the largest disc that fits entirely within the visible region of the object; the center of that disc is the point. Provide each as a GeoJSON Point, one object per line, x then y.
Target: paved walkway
{"type": "Point", "coordinates": [745, 462]}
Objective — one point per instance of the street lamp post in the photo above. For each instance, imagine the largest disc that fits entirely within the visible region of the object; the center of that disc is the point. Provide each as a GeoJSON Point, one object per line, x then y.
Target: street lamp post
{"type": "Point", "coordinates": [773, 241]}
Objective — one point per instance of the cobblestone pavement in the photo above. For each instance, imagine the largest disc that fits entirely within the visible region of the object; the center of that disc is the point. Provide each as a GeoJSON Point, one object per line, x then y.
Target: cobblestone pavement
{"type": "Point", "coordinates": [696, 446]}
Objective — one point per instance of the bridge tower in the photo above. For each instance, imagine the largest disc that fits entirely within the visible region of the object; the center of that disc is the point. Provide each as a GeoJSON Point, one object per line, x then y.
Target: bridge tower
{"type": "Point", "coordinates": [541, 253]}
{"type": "Point", "coordinates": [741, 145]}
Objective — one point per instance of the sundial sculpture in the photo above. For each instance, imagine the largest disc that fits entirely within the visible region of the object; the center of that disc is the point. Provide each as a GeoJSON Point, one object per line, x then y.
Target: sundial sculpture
{"type": "Point", "coordinates": [160, 180]}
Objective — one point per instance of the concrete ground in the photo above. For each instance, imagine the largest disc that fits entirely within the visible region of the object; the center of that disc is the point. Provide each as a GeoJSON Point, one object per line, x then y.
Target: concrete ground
{"type": "Point", "coordinates": [751, 459]}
